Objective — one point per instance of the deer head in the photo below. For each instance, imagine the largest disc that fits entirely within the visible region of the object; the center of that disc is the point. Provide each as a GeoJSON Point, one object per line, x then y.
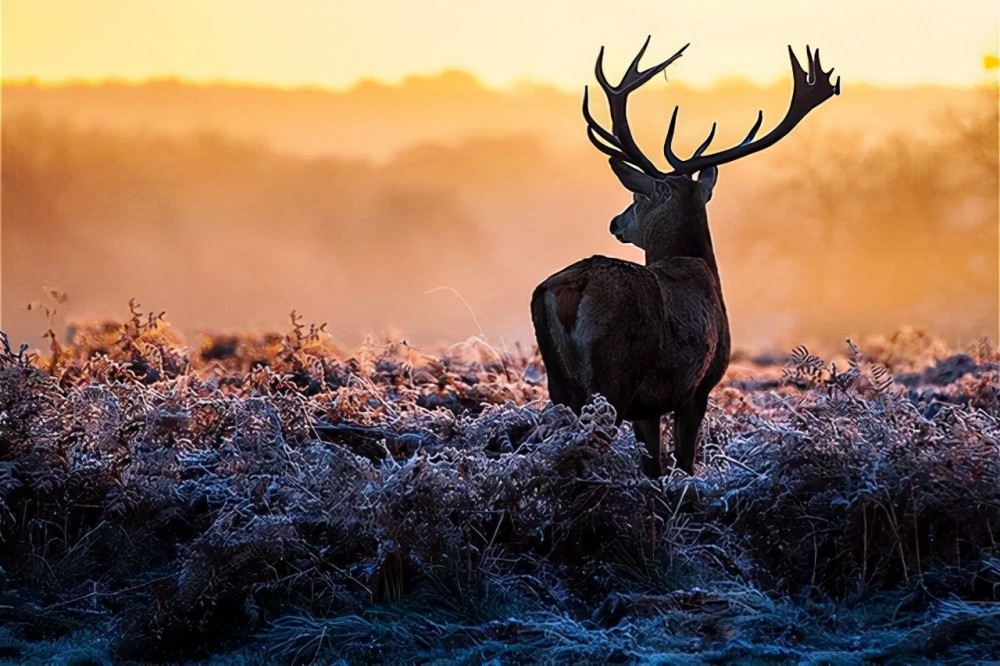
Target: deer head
{"type": "Point", "coordinates": [667, 216]}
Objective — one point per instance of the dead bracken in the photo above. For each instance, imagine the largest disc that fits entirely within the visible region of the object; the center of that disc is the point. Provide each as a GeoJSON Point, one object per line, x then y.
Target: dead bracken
{"type": "Point", "coordinates": [277, 499]}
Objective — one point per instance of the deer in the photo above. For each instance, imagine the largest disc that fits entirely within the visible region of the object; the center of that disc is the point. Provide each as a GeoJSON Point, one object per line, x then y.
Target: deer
{"type": "Point", "coordinates": [653, 338]}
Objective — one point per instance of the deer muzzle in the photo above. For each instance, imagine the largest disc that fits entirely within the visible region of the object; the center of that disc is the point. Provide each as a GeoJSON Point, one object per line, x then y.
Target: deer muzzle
{"type": "Point", "coordinates": [623, 225]}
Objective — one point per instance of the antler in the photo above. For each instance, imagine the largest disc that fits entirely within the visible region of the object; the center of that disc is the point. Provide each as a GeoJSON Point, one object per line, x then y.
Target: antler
{"type": "Point", "coordinates": [809, 91]}
{"type": "Point", "coordinates": [618, 143]}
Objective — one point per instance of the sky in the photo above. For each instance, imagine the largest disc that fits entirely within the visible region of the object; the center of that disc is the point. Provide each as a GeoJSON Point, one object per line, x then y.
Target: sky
{"type": "Point", "coordinates": [336, 43]}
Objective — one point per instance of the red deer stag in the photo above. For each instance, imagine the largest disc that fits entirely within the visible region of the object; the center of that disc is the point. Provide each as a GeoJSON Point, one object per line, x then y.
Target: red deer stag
{"type": "Point", "coordinates": [653, 338]}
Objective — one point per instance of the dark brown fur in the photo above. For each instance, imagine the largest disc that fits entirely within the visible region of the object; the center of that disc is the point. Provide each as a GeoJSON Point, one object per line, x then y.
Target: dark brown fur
{"type": "Point", "coordinates": [651, 339]}
{"type": "Point", "coordinates": [568, 300]}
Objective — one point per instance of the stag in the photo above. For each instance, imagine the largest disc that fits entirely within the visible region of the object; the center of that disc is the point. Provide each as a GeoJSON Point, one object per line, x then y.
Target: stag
{"type": "Point", "coordinates": [653, 338]}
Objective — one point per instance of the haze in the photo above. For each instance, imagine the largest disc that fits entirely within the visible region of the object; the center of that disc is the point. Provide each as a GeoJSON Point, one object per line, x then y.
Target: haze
{"type": "Point", "coordinates": [452, 154]}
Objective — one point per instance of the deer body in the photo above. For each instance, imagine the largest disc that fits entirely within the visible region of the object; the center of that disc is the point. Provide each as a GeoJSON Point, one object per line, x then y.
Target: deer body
{"type": "Point", "coordinates": [652, 338]}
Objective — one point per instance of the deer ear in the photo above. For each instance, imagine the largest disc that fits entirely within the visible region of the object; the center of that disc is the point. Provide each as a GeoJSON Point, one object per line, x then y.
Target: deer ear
{"type": "Point", "coordinates": [633, 179]}
{"type": "Point", "coordinates": [706, 182]}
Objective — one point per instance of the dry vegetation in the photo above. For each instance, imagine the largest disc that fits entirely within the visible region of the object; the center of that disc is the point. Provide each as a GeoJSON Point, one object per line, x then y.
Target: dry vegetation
{"type": "Point", "coordinates": [276, 499]}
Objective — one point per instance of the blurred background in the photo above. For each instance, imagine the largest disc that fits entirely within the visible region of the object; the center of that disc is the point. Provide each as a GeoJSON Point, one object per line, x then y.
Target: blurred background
{"type": "Point", "coordinates": [415, 169]}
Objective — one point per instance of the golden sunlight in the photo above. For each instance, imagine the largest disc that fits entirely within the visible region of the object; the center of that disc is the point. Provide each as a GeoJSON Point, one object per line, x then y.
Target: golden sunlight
{"type": "Point", "coordinates": [350, 159]}
{"type": "Point", "coordinates": [336, 44]}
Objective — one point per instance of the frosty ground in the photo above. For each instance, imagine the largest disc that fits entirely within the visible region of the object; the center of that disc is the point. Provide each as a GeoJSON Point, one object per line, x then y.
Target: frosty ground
{"type": "Point", "coordinates": [275, 499]}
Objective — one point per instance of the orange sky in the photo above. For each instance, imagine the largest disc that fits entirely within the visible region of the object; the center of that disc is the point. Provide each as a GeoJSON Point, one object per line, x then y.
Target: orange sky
{"type": "Point", "coordinates": [336, 43]}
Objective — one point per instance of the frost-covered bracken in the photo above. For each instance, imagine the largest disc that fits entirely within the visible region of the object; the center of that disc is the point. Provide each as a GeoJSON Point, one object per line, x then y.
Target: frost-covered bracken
{"type": "Point", "coordinates": [276, 499]}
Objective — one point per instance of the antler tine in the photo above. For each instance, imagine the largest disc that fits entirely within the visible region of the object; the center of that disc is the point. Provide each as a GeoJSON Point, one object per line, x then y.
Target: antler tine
{"type": "Point", "coordinates": [593, 127]}
{"type": "Point", "coordinates": [819, 69]}
{"type": "Point", "coordinates": [798, 74]}
{"type": "Point", "coordinates": [809, 89]}
{"type": "Point", "coordinates": [599, 70]}
{"type": "Point", "coordinates": [612, 145]}
{"type": "Point", "coordinates": [703, 146]}
{"type": "Point", "coordinates": [619, 143]}
{"type": "Point", "coordinates": [668, 152]}
{"type": "Point", "coordinates": [633, 68]}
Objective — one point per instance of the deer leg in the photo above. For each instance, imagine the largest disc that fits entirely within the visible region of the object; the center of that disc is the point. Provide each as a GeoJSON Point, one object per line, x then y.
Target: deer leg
{"type": "Point", "coordinates": [561, 393]}
{"type": "Point", "coordinates": [647, 431]}
{"type": "Point", "coordinates": [687, 423]}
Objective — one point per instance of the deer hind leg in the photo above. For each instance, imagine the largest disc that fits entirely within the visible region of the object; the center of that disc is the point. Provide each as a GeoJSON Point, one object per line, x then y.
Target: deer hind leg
{"type": "Point", "coordinates": [564, 391]}
{"type": "Point", "coordinates": [557, 350]}
{"type": "Point", "coordinates": [647, 431]}
{"type": "Point", "coordinates": [687, 423]}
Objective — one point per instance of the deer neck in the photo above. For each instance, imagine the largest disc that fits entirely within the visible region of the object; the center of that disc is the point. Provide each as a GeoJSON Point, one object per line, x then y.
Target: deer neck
{"type": "Point", "coordinates": [690, 238]}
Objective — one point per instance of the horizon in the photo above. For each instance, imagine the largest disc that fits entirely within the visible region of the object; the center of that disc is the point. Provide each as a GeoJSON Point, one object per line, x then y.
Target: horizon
{"type": "Point", "coordinates": [526, 85]}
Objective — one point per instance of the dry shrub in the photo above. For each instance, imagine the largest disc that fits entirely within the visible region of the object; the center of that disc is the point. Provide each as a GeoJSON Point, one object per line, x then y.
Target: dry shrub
{"type": "Point", "coordinates": [390, 504]}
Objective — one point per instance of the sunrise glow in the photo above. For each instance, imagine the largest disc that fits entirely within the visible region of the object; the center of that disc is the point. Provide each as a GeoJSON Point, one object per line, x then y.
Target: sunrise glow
{"type": "Point", "coordinates": [206, 149]}
{"type": "Point", "coordinates": [336, 44]}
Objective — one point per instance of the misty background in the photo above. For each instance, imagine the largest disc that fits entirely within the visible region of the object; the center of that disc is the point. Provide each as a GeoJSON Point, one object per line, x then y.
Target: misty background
{"type": "Point", "coordinates": [229, 206]}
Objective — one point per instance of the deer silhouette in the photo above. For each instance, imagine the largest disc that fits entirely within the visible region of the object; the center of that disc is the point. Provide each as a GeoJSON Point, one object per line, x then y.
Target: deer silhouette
{"type": "Point", "coordinates": [653, 338]}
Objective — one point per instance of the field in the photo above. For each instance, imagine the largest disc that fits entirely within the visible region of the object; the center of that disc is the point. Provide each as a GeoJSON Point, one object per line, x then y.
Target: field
{"type": "Point", "coordinates": [394, 486]}
{"type": "Point", "coordinates": [277, 499]}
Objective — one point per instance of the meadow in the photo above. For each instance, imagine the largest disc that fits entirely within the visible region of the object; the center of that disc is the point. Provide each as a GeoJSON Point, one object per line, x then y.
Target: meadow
{"type": "Point", "coordinates": [275, 498]}
{"type": "Point", "coordinates": [370, 490]}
